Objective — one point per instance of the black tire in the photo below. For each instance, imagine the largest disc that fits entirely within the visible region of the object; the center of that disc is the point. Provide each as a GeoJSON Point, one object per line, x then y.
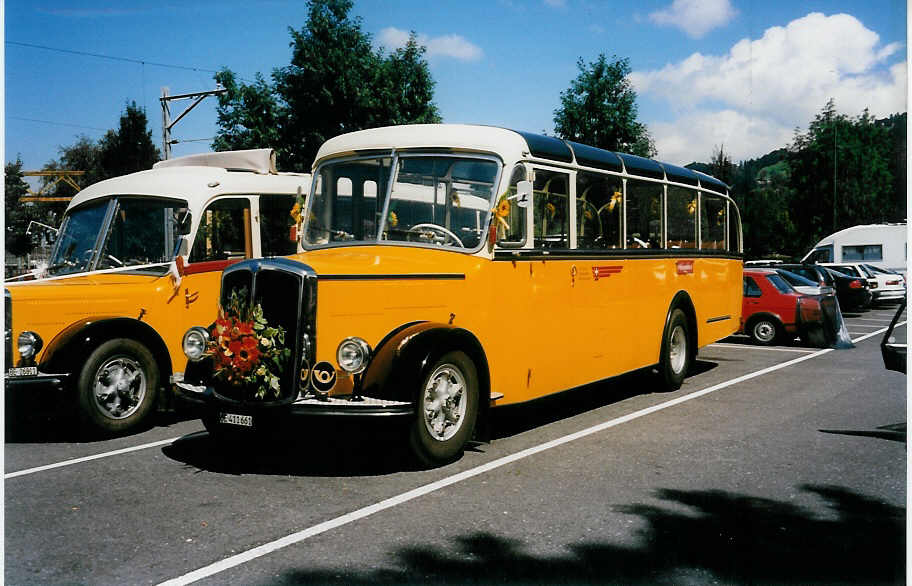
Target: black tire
{"type": "Point", "coordinates": [118, 387]}
{"type": "Point", "coordinates": [433, 439]}
{"type": "Point", "coordinates": [675, 356]}
{"type": "Point", "coordinates": [765, 331]}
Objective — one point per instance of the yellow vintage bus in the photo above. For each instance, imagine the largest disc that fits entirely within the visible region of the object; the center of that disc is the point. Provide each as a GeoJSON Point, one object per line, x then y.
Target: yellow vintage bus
{"type": "Point", "coordinates": [448, 268]}
{"type": "Point", "coordinates": [99, 332]}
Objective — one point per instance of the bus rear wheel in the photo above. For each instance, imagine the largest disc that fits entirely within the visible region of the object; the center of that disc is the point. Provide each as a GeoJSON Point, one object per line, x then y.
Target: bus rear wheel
{"type": "Point", "coordinates": [675, 357]}
{"type": "Point", "coordinates": [447, 407]}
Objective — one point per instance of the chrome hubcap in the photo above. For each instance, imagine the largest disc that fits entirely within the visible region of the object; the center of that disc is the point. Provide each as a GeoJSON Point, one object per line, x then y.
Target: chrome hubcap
{"type": "Point", "coordinates": [764, 331]}
{"type": "Point", "coordinates": [120, 386]}
{"type": "Point", "coordinates": [677, 349]}
{"type": "Point", "coordinates": [444, 402]}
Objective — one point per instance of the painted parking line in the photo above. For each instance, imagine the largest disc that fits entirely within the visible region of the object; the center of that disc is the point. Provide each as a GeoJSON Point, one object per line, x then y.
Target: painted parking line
{"type": "Point", "coordinates": [362, 513]}
{"type": "Point", "coordinates": [767, 348]}
{"type": "Point", "coordinates": [88, 458]}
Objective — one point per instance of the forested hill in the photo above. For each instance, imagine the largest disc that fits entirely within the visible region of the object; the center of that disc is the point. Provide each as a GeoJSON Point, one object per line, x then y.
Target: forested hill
{"type": "Point", "coordinates": [788, 198]}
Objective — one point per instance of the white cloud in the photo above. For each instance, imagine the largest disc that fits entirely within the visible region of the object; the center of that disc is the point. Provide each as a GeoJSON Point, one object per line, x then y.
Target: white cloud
{"type": "Point", "coordinates": [453, 46]}
{"type": "Point", "coordinates": [695, 17]}
{"type": "Point", "coordinates": [766, 87]}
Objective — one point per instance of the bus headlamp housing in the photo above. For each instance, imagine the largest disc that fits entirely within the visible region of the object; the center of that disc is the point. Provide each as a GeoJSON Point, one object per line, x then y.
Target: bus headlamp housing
{"type": "Point", "coordinates": [353, 355]}
{"type": "Point", "coordinates": [195, 342]}
{"type": "Point", "coordinates": [29, 344]}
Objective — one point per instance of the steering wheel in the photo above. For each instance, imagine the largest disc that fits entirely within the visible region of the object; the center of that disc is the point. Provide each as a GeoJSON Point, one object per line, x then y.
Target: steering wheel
{"type": "Point", "coordinates": [440, 230]}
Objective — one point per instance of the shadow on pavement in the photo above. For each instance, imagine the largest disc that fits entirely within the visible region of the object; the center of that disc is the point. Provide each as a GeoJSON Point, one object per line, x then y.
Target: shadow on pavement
{"type": "Point", "coordinates": [372, 447]}
{"type": "Point", "coordinates": [722, 537]}
{"type": "Point", "coordinates": [27, 428]}
{"type": "Point", "coordinates": [337, 449]}
{"type": "Point", "coordinates": [510, 420]}
{"type": "Point", "coordinates": [895, 432]}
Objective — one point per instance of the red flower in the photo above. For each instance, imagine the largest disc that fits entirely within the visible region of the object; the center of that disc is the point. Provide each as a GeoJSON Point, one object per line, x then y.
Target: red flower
{"type": "Point", "coordinates": [245, 328]}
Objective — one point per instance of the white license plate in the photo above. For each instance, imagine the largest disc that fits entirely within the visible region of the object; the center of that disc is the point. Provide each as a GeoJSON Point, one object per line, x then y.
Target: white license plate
{"type": "Point", "coordinates": [235, 419]}
{"type": "Point", "coordinates": [22, 371]}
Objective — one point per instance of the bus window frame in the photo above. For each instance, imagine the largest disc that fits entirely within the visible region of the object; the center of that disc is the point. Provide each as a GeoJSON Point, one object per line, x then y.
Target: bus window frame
{"type": "Point", "coordinates": [572, 169]}
{"type": "Point", "coordinates": [570, 172]}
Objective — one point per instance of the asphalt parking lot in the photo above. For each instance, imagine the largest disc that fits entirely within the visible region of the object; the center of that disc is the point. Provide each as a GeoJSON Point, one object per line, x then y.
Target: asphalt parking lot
{"type": "Point", "coordinates": [780, 464]}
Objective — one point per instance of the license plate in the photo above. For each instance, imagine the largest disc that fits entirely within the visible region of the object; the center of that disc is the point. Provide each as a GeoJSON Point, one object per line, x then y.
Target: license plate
{"type": "Point", "coordinates": [22, 371]}
{"type": "Point", "coordinates": [235, 419]}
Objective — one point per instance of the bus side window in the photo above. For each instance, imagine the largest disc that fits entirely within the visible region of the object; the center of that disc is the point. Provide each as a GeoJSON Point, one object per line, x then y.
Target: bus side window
{"type": "Point", "coordinates": [552, 209]}
{"type": "Point", "coordinates": [712, 222]}
{"type": "Point", "coordinates": [224, 231]}
{"type": "Point", "coordinates": [599, 211]}
{"type": "Point", "coordinates": [275, 221]}
{"type": "Point", "coordinates": [644, 214]}
{"type": "Point", "coordinates": [509, 218]}
{"type": "Point", "coordinates": [682, 217]}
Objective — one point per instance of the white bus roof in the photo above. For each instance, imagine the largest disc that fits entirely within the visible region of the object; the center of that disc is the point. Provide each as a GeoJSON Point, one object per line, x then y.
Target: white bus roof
{"type": "Point", "coordinates": [511, 145]}
{"type": "Point", "coordinates": [197, 178]}
{"type": "Point", "coordinates": [464, 137]}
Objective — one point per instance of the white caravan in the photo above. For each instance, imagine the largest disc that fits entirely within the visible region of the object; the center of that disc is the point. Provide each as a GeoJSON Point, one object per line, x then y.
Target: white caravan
{"type": "Point", "coordinates": [881, 245]}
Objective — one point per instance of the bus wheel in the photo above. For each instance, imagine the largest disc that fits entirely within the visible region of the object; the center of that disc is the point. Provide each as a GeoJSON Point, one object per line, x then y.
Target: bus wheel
{"type": "Point", "coordinates": [117, 386]}
{"type": "Point", "coordinates": [675, 351]}
{"type": "Point", "coordinates": [446, 410]}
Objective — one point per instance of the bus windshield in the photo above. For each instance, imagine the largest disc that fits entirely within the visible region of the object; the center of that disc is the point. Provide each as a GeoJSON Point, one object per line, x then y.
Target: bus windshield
{"type": "Point", "coordinates": [141, 231]}
{"type": "Point", "coordinates": [442, 200]}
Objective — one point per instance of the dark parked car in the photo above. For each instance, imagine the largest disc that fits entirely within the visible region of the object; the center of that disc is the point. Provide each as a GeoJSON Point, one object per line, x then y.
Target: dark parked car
{"type": "Point", "coordinates": [853, 292]}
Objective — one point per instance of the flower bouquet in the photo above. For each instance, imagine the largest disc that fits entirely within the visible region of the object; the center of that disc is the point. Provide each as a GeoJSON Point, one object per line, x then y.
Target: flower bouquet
{"type": "Point", "coordinates": [246, 350]}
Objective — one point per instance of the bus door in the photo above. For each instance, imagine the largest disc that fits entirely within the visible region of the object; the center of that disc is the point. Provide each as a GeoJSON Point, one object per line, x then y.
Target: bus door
{"type": "Point", "coordinates": [224, 236]}
{"type": "Point", "coordinates": [553, 318]}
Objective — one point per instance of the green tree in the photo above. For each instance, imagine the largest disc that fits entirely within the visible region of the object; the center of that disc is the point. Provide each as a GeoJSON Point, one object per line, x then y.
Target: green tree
{"type": "Point", "coordinates": [129, 148]}
{"type": "Point", "coordinates": [599, 109]}
{"type": "Point", "coordinates": [336, 83]}
{"type": "Point", "coordinates": [17, 214]}
{"type": "Point", "coordinates": [125, 150]}
{"type": "Point", "coordinates": [249, 116]}
{"type": "Point", "coordinates": [721, 166]}
{"type": "Point", "coordinates": [842, 174]}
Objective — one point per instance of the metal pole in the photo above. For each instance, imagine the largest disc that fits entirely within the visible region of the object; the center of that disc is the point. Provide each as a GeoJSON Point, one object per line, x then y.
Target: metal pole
{"type": "Point", "coordinates": [166, 125]}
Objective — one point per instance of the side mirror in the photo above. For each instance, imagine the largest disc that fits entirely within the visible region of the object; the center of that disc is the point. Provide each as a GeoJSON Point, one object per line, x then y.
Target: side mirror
{"type": "Point", "coordinates": [183, 221]}
{"type": "Point", "coordinates": [523, 194]}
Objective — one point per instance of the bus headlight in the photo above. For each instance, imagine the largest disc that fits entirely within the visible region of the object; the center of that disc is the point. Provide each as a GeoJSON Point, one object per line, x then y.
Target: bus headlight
{"type": "Point", "coordinates": [196, 340]}
{"type": "Point", "coordinates": [353, 354]}
{"type": "Point", "coordinates": [29, 344]}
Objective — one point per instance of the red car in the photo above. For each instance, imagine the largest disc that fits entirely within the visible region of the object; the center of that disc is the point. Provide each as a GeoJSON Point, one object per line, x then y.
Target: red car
{"type": "Point", "coordinates": [773, 311]}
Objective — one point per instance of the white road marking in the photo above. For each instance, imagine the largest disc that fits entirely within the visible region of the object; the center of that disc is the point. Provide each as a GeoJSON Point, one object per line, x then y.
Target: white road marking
{"type": "Point", "coordinates": [752, 347]}
{"type": "Point", "coordinates": [283, 542]}
{"type": "Point", "coordinates": [87, 458]}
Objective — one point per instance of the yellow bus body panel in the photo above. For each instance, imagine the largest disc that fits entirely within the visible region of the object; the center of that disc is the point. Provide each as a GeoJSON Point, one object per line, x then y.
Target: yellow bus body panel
{"type": "Point", "coordinates": [49, 307]}
{"type": "Point", "coordinates": [545, 325]}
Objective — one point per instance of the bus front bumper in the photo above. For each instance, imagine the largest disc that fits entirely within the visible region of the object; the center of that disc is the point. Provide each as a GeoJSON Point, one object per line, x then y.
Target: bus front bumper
{"type": "Point", "coordinates": [336, 406]}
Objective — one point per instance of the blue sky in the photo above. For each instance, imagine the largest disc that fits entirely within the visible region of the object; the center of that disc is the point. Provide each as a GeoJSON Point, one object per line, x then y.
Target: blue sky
{"type": "Point", "coordinates": [737, 73]}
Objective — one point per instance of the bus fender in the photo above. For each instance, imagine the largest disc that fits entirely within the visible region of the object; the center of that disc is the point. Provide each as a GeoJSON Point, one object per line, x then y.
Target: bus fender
{"type": "Point", "coordinates": [682, 301]}
{"type": "Point", "coordinates": [69, 349]}
{"type": "Point", "coordinates": [404, 357]}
